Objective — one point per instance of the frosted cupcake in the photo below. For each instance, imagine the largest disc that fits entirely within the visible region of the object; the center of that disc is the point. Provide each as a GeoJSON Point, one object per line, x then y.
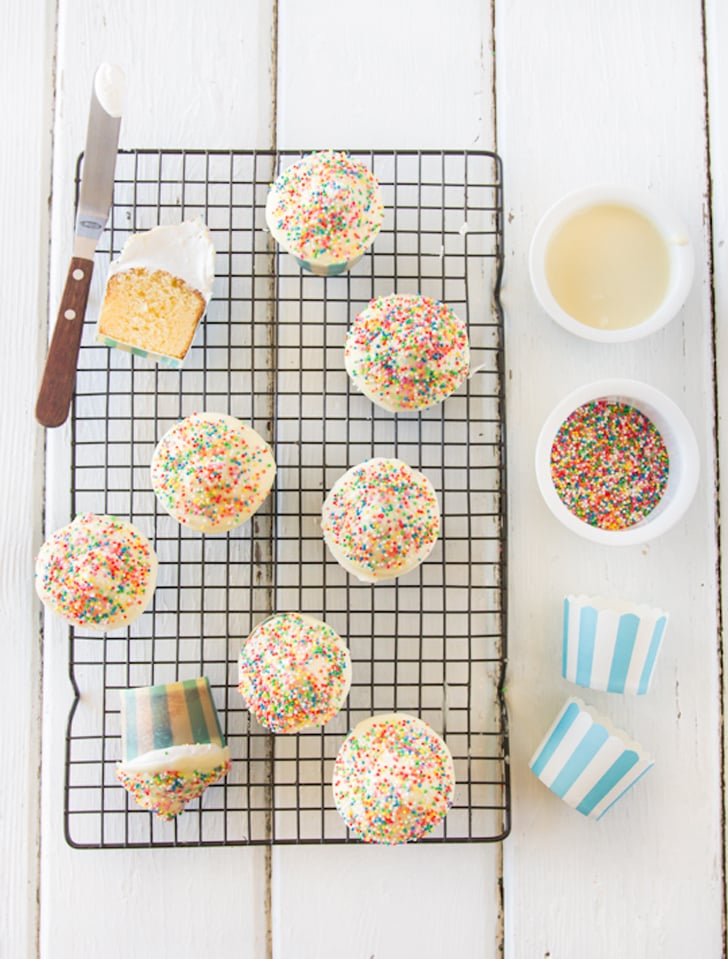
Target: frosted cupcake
{"type": "Point", "coordinates": [407, 352]}
{"type": "Point", "coordinates": [393, 779]}
{"type": "Point", "coordinates": [325, 211]}
{"type": "Point", "coordinates": [99, 572]}
{"type": "Point", "coordinates": [294, 672]}
{"type": "Point", "coordinates": [158, 291]}
{"type": "Point", "coordinates": [212, 472]}
{"type": "Point", "coordinates": [381, 519]}
{"type": "Point", "coordinates": [172, 745]}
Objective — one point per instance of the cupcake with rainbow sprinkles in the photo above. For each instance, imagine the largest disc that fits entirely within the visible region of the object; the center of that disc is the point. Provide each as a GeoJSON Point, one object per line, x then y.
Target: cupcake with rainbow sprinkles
{"type": "Point", "coordinates": [325, 210]}
{"type": "Point", "coordinates": [98, 573]}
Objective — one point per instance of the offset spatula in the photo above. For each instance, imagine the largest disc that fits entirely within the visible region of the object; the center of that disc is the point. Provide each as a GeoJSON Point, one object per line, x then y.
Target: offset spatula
{"type": "Point", "coordinates": [97, 185]}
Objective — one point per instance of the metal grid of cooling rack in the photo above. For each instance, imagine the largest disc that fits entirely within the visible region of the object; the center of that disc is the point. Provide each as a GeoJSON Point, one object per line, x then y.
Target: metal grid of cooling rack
{"type": "Point", "coordinates": [270, 351]}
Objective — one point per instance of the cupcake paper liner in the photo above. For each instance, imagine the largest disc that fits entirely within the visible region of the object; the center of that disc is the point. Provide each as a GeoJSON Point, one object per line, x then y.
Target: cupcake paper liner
{"type": "Point", "coordinates": [332, 269]}
{"type": "Point", "coordinates": [173, 714]}
{"type": "Point", "coordinates": [585, 761]}
{"type": "Point", "coordinates": [173, 362]}
{"type": "Point", "coordinates": [611, 645]}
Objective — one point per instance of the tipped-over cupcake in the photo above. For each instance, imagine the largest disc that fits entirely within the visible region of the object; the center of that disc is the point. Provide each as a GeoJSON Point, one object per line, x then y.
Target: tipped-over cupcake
{"type": "Point", "coordinates": [212, 472]}
{"type": "Point", "coordinates": [381, 519]}
{"type": "Point", "coordinates": [393, 779]}
{"type": "Point", "coordinates": [325, 210]}
{"type": "Point", "coordinates": [99, 572]}
{"type": "Point", "coordinates": [407, 352]}
{"type": "Point", "coordinates": [295, 672]}
{"type": "Point", "coordinates": [157, 292]}
{"type": "Point", "coordinates": [172, 745]}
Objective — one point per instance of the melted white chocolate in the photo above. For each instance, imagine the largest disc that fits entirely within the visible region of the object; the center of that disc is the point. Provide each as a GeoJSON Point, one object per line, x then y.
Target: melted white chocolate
{"type": "Point", "coordinates": [608, 266]}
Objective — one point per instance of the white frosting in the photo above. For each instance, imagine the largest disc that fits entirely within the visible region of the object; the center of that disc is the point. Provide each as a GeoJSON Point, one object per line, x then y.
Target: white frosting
{"type": "Point", "coordinates": [187, 759]}
{"type": "Point", "coordinates": [110, 88]}
{"type": "Point", "coordinates": [182, 249]}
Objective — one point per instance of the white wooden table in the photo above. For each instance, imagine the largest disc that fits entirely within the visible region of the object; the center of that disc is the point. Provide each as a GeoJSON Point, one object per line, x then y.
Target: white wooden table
{"type": "Point", "coordinates": [568, 93]}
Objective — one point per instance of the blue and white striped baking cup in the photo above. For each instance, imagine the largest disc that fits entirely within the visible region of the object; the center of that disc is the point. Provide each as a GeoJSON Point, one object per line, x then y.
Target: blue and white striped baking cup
{"type": "Point", "coordinates": [588, 763]}
{"type": "Point", "coordinates": [330, 269]}
{"type": "Point", "coordinates": [611, 645]}
{"type": "Point", "coordinates": [173, 362]}
{"type": "Point", "coordinates": [166, 715]}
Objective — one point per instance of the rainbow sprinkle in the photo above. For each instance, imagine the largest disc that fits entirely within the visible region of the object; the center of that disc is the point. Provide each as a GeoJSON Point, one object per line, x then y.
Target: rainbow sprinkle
{"type": "Point", "coordinates": [97, 572]}
{"type": "Point", "coordinates": [609, 464]}
{"type": "Point", "coordinates": [327, 207]}
{"type": "Point", "coordinates": [212, 472]}
{"type": "Point", "coordinates": [407, 352]}
{"type": "Point", "coordinates": [295, 672]}
{"type": "Point", "coordinates": [381, 519]}
{"type": "Point", "coordinates": [166, 793]}
{"type": "Point", "coordinates": [393, 779]}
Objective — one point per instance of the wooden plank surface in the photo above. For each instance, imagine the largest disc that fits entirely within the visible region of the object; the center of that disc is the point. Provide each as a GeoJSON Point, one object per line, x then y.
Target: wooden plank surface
{"type": "Point", "coordinates": [716, 37]}
{"type": "Point", "coordinates": [26, 60]}
{"type": "Point", "coordinates": [586, 93]}
{"type": "Point", "coordinates": [386, 84]}
{"type": "Point", "coordinates": [193, 81]}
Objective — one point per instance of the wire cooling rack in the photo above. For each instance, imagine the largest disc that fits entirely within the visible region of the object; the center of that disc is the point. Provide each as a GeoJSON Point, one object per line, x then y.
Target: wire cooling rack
{"type": "Point", "coordinates": [270, 351]}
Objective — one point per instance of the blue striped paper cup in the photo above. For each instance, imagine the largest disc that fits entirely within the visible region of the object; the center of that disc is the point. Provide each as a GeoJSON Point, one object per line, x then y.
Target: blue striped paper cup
{"type": "Point", "coordinates": [173, 362]}
{"type": "Point", "coordinates": [170, 714]}
{"type": "Point", "coordinates": [611, 644]}
{"type": "Point", "coordinates": [586, 761]}
{"type": "Point", "coordinates": [329, 269]}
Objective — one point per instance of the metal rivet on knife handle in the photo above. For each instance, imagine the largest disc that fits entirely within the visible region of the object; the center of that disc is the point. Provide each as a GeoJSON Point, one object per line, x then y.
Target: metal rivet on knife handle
{"type": "Point", "coordinates": [59, 376]}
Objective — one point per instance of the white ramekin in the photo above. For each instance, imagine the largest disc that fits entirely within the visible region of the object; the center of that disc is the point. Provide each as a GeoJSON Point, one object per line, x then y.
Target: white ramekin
{"type": "Point", "coordinates": [667, 223]}
{"type": "Point", "coordinates": [677, 435]}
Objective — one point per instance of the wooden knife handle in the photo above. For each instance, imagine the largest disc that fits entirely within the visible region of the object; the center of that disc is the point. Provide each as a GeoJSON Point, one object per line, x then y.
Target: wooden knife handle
{"type": "Point", "coordinates": [59, 376]}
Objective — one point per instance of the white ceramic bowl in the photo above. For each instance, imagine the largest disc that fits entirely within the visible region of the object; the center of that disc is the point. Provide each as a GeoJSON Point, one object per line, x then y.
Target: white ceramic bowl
{"type": "Point", "coordinates": [668, 225]}
{"type": "Point", "coordinates": [677, 435]}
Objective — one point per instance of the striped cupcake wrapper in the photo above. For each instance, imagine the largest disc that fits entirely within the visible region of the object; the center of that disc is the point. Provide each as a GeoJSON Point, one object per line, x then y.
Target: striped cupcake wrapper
{"type": "Point", "coordinates": [611, 645]}
{"type": "Point", "coordinates": [173, 714]}
{"type": "Point", "coordinates": [332, 269]}
{"type": "Point", "coordinates": [588, 763]}
{"type": "Point", "coordinates": [173, 362]}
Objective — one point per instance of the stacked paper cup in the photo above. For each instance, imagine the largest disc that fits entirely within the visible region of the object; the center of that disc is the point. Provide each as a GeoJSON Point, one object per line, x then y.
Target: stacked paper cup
{"type": "Point", "coordinates": [612, 646]}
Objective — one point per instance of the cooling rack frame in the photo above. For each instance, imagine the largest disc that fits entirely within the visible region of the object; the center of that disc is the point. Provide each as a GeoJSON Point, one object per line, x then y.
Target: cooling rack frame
{"type": "Point", "coordinates": [271, 351]}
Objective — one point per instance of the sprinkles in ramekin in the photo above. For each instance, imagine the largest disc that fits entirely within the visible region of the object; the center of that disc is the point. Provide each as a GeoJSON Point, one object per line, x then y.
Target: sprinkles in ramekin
{"type": "Point", "coordinates": [609, 464]}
